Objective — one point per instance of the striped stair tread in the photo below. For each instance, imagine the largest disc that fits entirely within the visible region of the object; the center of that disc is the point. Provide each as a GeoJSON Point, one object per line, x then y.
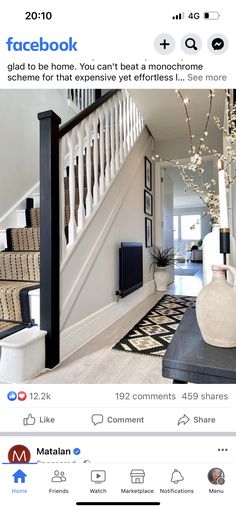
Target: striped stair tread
{"type": "Point", "coordinates": [23, 239]}
{"type": "Point", "coordinates": [8, 328]}
{"type": "Point", "coordinates": [14, 303]}
{"type": "Point", "coordinates": [20, 266]}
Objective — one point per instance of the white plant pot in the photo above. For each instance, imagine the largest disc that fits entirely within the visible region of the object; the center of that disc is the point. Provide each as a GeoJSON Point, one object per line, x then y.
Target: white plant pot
{"type": "Point", "coordinates": [162, 278]}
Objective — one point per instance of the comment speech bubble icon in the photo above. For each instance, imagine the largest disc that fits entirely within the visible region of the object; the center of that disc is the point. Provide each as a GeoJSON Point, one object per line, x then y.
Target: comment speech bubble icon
{"type": "Point", "coordinates": [97, 419]}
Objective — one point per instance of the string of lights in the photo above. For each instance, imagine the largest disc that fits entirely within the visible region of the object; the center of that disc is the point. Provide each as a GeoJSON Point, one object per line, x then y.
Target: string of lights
{"type": "Point", "coordinates": [193, 172]}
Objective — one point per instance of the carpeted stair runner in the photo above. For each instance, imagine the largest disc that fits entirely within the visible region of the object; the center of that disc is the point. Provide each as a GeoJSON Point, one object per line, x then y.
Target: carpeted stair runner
{"type": "Point", "coordinates": [19, 274]}
{"type": "Point", "coordinates": [14, 300]}
{"type": "Point", "coordinates": [23, 239]}
{"type": "Point", "coordinates": [8, 328]}
{"type": "Point", "coordinates": [20, 266]}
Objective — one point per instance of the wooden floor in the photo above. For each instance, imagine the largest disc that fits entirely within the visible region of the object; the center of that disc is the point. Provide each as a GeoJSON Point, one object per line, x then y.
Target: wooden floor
{"type": "Point", "coordinates": [98, 363]}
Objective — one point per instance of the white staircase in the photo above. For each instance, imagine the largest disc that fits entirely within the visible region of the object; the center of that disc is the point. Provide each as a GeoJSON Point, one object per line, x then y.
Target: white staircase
{"type": "Point", "coordinates": [98, 146]}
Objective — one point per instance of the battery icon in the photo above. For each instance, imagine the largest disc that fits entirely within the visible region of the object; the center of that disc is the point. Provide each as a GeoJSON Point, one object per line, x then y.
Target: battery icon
{"type": "Point", "coordinates": [211, 15]}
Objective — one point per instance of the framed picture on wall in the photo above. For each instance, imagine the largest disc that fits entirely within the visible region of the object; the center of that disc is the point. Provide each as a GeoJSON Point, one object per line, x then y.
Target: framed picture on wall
{"type": "Point", "coordinates": [148, 173]}
{"type": "Point", "coordinates": [148, 232]}
{"type": "Point", "coordinates": [147, 203]}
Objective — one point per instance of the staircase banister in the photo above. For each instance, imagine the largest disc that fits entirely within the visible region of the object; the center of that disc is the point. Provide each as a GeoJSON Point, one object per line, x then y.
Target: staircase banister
{"type": "Point", "coordinates": [67, 126]}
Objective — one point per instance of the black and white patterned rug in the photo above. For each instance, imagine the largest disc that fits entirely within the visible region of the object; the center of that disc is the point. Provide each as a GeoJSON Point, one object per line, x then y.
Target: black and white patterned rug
{"type": "Point", "coordinates": [153, 333]}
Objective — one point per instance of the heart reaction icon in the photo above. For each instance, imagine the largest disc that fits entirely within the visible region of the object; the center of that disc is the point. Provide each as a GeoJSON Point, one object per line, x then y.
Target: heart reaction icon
{"type": "Point", "coordinates": [22, 395]}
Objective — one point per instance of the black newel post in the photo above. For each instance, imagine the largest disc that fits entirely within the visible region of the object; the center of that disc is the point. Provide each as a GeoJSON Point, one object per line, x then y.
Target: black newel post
{"type": "Point", "coordinates": [50, 235]}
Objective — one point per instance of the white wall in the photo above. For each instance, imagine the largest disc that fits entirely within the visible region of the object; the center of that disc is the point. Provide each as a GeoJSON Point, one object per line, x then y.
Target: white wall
{"type": "Point", "coordinates": [100, 284]}
{"type": "Point", "coordinates": [19, 134]}
{"type": "Point", "coordinates": [179, 148]}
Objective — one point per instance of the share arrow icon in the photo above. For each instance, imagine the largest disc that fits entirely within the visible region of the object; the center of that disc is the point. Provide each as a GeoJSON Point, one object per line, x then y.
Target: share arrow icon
{"type": "Point", "coordinates": [183, 420]}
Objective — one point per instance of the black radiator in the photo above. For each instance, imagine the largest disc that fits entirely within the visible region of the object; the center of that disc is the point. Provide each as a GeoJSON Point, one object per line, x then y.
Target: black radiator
{"type": "Point", "coordinates": [130, 268]}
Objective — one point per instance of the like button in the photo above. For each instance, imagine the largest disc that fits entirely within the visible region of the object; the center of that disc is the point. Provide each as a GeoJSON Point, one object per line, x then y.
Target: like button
{"type": "Point", "coordinates": [29, 420]}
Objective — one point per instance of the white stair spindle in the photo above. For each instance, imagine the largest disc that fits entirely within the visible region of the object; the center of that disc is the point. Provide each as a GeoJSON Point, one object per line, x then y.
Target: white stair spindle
{"type": "Point", "coordinates": [131, 122]}
{"type": "Point", "coordinates": [112, 131]}
{"type": "Point", "coordinates": [117, 160]}
{"type": "Point", "coordinates": [121, 128]}
{"type": "Point", "coordinates": [134, 122]}
{"type": "Point", "coordinates": [137, 121]}
{"type": "Point", "coordinates": [107, 145]}
{"type": "Point", "coordinates": [101, 160]}
{"type": "Point", "coordinates": [89, 198]}
{"type": "Point", "coordinates": [95, 159]}
{"type": "Point", "coordinates": [72, 223]}
{"type": "Point", "coordinates": [112, 137]}
{"type": "Point", "coordinates": [128, 121]}
{"type": "Point", "coordinates": [62, 198]}
{"type": "Point", "coordinates": [81, 211]}
{"type": "Point", "coordinates": [125, 124]}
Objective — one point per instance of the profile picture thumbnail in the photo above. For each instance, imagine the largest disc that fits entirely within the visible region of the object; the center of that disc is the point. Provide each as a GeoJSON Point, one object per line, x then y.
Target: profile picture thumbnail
{"type": "Point", "coordinates": [216, 476]}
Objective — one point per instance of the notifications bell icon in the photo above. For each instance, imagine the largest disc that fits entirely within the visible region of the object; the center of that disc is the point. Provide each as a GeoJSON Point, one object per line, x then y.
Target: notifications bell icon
{"type": "Point", "coordinates": [176, 476]}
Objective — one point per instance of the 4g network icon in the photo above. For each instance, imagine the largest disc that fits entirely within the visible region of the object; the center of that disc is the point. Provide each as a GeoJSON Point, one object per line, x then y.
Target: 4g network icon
{"type": "Point", "coordinates": [21, 396]}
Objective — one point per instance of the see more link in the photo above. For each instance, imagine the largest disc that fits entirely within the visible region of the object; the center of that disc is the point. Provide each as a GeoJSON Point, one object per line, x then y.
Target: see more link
{"type": "Point", "coordinates": [41, 45]}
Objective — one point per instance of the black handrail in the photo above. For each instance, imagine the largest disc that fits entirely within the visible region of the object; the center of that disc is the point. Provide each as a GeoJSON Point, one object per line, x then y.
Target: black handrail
{"type": "Point", "coordinates": [65, 128]}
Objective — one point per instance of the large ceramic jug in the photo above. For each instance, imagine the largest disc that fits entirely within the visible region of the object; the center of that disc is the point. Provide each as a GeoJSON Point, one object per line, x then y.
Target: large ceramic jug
{"type": "Point", "coordinates": [216, 309]}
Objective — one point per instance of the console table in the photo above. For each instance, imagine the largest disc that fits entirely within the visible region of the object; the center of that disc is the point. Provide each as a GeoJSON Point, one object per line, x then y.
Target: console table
{"type": "Point", "coordinates": [189, 359]}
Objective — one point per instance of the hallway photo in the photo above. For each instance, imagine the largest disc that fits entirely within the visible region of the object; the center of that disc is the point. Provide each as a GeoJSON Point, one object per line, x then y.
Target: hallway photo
{"type": "Point", "coordinates": [116, 216]}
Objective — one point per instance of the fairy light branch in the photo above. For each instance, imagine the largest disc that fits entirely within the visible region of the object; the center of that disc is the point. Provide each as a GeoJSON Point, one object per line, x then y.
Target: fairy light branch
{"type": "Point", "coordinates": [193, 173]}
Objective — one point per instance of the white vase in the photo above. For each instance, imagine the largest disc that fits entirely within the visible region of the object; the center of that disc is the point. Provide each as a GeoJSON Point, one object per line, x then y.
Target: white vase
{"type": "Point", "coordinates": [211, 253]}
{"type": "Point", "coordinates": [162, 278]}
{"type": "Point", "coordinates": [215, 309]}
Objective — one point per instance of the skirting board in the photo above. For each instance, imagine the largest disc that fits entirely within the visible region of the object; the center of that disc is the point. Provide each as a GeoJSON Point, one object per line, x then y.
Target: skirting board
{"type": "Point", "coordinates": [82, 332]}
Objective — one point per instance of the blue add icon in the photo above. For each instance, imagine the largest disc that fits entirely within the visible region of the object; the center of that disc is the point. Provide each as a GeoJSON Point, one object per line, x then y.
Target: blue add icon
{"type": "Point", "coordinates": [19, 476]}
{"type": "Point", "coordinates": [12, 395]}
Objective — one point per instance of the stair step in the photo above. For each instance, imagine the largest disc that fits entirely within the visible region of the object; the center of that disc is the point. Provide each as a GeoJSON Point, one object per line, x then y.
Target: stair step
{"type": "Point", "coordinates": [9, 328]}
{"type": "Point", "coordinates": [23, 239]}
{"type": "Point", "coordinates": [20, 266]}
{"type": "Point", "coordinates": [3, 241]}
{"type": "Point", "coordinates": [34, 305]}
{"type": "Point", "coordinates": [14, 302]}
{"type": "Point", "coordinates": [20, 218]}
{"type": "Point", "coordinates": [36, 198]}
{"type": "Point", "coordinates": [32, 216]}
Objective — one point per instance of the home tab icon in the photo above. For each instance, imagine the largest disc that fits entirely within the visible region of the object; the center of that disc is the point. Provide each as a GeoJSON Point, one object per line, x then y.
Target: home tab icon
{"type": "Point", "coordinates": [137, 476]}
{"type": "Point", "coordinates": [19, 476]}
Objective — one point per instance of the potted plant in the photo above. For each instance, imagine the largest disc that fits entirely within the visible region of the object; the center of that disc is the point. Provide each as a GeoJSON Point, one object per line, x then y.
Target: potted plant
{"type": "Point", "coordinates": [161, 258]}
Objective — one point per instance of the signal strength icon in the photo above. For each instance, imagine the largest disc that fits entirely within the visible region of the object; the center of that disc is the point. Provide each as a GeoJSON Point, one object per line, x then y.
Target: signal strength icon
{"type": "Point", "coordinates": [179, 16]}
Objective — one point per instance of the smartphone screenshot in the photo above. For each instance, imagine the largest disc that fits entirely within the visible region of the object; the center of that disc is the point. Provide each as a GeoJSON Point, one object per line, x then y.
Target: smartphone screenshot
{"type": "Point", "coordinates": [117, 255]}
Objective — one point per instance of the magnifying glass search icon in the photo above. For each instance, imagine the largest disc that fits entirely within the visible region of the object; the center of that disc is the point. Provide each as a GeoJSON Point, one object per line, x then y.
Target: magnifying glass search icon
{"type": "Point", "coordinates": [190, 43]}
